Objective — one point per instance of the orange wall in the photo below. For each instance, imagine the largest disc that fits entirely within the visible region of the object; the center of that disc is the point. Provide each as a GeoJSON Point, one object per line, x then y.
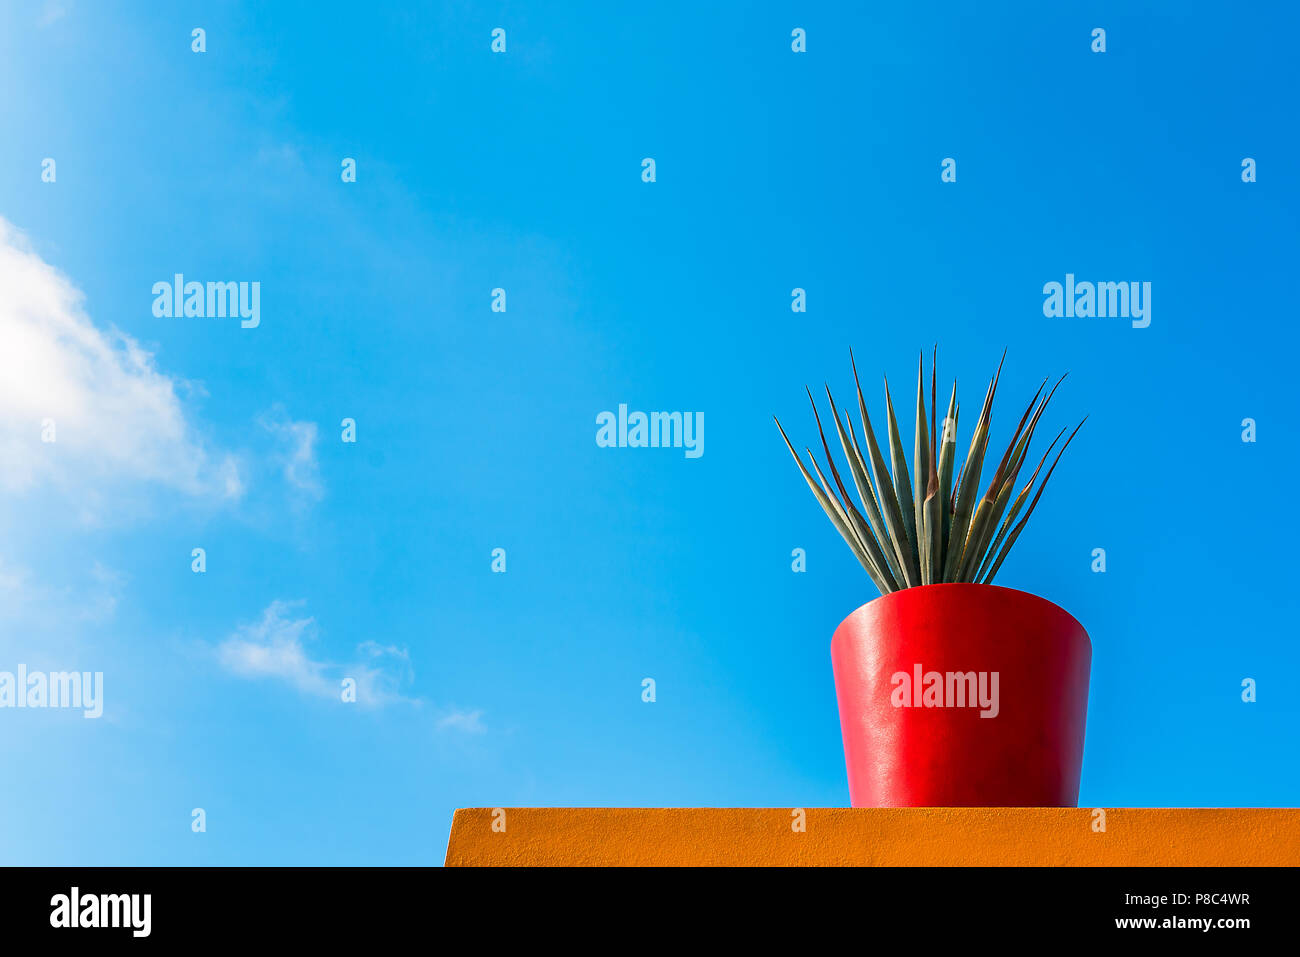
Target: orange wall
{"type": "Point", "coordinates": [876, 836]}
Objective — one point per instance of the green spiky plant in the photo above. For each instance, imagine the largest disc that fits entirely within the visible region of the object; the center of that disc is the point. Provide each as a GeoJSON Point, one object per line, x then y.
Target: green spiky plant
{"type": "Point", "coordinates": [938, 530]}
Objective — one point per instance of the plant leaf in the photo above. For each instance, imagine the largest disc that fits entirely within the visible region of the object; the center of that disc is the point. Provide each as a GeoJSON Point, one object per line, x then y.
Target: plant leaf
{"type": "Point", "coordinates": [1011, 539]}
{"type": "Point", "coordinates": [938, 529]}
{"type": "Point", "coordinates": [969, 483]}
{"type": "Point", "coordinates": [870, 530]}
{"type": "Point", "coordinates": [902, 483]}
{"type": "Point", "coordinates": [833, 514]}
{"type": "Point", "coordinates": [858, 469]}
{"type": "Point", "coordinates": [921, 467]}
{"type": "Point", "coordinates": [1007, 522]}
{"type": "Point", "coordinates": [985, 519]}
{"type": "Point", "coordinates": [947, 443]}
{"type": "Point", "coordinates": [890, 509]}
{"type": "Point", "coordinates": [847, 510]}
{"type": "Point", "coordinates": [1008, 473]}
{"type": "Point", "coordinates": [877, 574]}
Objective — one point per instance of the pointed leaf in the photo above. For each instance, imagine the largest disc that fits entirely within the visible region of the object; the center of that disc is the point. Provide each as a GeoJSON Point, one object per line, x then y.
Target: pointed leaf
{"type": "Point", "coordinates": [983, 523]}
{"type": "Point", "coordinates": [1011, 539]}
{"type": "Point", "coordinates": [902, 482]}
{"type": "Point", "coordinates": [867, 530]}
{"type": "Point", "coordinates": [1009, 521]}
{"type": "Point", "coordinates": [833, 514]}
{"type": "Point", "coordinates": [947, 443]}
{"type": "Point", "coordinates": [921, 467]}
{"type": "Point", "coordinates": [969, 483]}
{"type": "Point", "coordinates": [890, 508]}
{"type": "Point", "coordinates": [884, 555]}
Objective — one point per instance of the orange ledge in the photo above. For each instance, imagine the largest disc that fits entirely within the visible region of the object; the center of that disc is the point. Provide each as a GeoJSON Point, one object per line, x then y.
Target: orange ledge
{"type": "Point", "coordinates": [1036, 837]}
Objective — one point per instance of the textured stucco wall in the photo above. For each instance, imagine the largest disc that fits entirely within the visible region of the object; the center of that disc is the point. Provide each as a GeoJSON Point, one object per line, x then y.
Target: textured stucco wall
{"type": "Point", "coordinates": [875, 836]}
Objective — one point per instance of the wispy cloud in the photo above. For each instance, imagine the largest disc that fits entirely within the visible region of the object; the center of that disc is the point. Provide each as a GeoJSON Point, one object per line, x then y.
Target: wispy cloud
{"type": "Point", "coordinates": [297, 453]}
{"type": "Point", "coordinates": [273, 648]}
{"type": "Point", "coordinates": [51, 13]}
{"type": "Point", "coordinates": [283, 156]}
{"type": "Point", "coordinates": [278, 646]}
{"type": "Point", "coordinates": [32, 606]}
{"type": "Point", "coordinates": [84, 408]}
{"type": "Point", "coordinates": [470, 722]}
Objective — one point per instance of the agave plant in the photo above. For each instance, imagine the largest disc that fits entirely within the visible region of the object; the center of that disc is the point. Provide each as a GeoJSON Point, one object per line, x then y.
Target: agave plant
{"type": "Point", "coordinates": [940, 529]}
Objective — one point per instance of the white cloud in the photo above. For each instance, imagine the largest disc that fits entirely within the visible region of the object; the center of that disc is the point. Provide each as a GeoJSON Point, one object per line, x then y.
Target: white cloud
{"type": "Point", "coordinates": [113, 416]}
{"type": "Point", "coordinates": [470, 722]}
{"type": "Point", "coordinates": [273, 648]}
{"type": "Point", "coordinates": [285, 156]}
{"type": "Point", "coordinates": [30, 607]}
{"type": "Point", "coordinates": [51, 13]}
{"type": "Point", "coordinates": [298, 453]}
{"type": "Point", "coordinates": [277, 647]}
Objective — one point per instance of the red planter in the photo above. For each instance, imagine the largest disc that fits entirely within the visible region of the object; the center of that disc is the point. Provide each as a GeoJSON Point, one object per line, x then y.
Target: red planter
{"type": "Point", "coordinates": [1002, 726]}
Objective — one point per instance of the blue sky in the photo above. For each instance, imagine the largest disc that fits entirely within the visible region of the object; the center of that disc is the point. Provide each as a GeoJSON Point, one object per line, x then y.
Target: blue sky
{"type": "Point", "coordinates": [476, 429]}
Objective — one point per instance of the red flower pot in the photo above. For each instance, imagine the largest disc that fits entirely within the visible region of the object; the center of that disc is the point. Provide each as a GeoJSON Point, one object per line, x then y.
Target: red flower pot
{"type": "Point", "coordinates": [962, 695]}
